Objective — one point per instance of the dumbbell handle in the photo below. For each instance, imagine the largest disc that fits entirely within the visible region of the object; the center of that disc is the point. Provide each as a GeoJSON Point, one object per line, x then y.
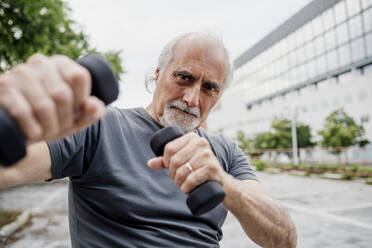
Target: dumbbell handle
{"type": "Point", "coordinates": [204, 197]}
{"type": "Point", "coordinates": [104, 86]}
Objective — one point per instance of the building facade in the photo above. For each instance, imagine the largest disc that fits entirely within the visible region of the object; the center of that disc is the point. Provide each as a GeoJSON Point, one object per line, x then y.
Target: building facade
{"type": "Point", "coordinates": [318, 61]}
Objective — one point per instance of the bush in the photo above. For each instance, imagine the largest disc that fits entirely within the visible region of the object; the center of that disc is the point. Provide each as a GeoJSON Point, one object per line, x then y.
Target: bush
{"type": "Point", "coordinates": [347, 176]}
{"type": "Point", "coordinates": [259, 164]}
{"type": "Point", "coordinates": [364, 171]}
{"type": "Point", "coordinates": [369, 180]}
{"type": "Point", "coordinates": [8, 216]}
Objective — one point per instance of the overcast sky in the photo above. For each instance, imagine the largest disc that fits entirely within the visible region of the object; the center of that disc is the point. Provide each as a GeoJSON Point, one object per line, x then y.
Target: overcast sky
{"type": "Point", "coordinates": [141, 28]}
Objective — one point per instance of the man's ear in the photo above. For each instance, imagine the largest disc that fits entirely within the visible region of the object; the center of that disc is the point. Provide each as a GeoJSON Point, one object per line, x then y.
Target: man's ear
{"type": "Point", "coordinates": [157, 73]}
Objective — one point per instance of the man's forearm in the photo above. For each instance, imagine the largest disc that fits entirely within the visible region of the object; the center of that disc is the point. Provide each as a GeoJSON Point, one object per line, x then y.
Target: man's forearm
{"type": "Point", "coordinates": [264, 220]}
{"type": "Point", "coordinates": [36, 166]}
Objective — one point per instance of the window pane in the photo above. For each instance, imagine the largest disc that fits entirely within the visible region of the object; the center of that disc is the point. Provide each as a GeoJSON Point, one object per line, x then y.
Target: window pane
{"type": "Point", "coordinates": [328, 20]}
{"type": "Point", "coordinates": [317, 26]}
{"type": "Point", "coordinates": [340, 12]}
{"type": "Point", "coordinates": [368, 20]}
{"type": "Point", "coordinates": [311, 68]}
{"type": "Point", "coordinates": [344, 52]}
{"type": "Point", "coordinates": [355, 26]}
{"type": "Point", "coordinates": [282, 48]}
{"type": "Point", "coordinates": [299, 37]}
{"type": "Point", "coordinates": [332, 60]}
{"type": "Point", "coordinates": [270, 55]}
{"type": "Point", "coordinates": [301, 73]}
{"type": "Point", "coordinates": [330, 39]}
{"type": "Point", "coordinates": [309, 49]}
{"type": "Point", "coordinates": [342, 35]}
{"type": "Point", "coordinates": [319, 46]}
{"type": "Point", "coordinates": [301, 56]}
{"type": "Point", "coordinates": [292, 61]}
{"type": "Point", "coordinates": [369, 44]}
{"type": "Point", "coordinates": [308, 32]}
{"type": "Point", "coordinates": [322, 64]}
{"type": "Point", "coordinates": [275, 51]}
{"type": "Point", "coordinates": [281, 66]}
{"type": "Point", "coordinates": [357, 49]}
{"type": "Point", "coordinates": [294, 77]}
{"type": "Point", "coordinates": [353, 7]}
{"type": "Point", "coordinates": [291, 43]}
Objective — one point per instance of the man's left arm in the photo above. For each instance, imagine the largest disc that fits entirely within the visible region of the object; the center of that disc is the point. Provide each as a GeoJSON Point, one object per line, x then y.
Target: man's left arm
{"type": "Point", "coordinates": [264, 221]}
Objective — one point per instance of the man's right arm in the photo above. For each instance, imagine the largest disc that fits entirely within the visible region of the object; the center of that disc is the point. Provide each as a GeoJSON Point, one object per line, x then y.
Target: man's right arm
{"type": "Point", "coordinates": [49, 98]}
{"type": "Point", "coordinates": [36, 166]}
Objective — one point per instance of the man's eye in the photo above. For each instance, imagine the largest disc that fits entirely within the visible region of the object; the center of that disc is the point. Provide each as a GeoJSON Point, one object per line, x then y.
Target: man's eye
{"type": "Point", "coordinates": [210, 87]}
{"type": "Point", "coordinates": [183, 77]}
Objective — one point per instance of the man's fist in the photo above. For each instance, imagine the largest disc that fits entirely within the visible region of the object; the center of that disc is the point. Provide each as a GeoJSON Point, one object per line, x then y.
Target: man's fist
{"type": "Point", "coordinates": [49, 97]}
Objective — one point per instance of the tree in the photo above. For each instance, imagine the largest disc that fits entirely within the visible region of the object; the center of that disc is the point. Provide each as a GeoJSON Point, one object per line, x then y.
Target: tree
{"type": "Point", "coordinates": [43, 26]}
{"type": "Point", "coordinates": [340, 130]}
{"type": "Point", "coordinates": [280, 136]}
{"type": "Point", "coordinates": [243, 142]}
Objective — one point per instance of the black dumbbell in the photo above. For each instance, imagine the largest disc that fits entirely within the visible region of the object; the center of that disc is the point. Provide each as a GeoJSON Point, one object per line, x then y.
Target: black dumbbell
{"type": "Point", "coordinates": [104, 86]}
{"type": "Point", "coordinates": [203, 198]}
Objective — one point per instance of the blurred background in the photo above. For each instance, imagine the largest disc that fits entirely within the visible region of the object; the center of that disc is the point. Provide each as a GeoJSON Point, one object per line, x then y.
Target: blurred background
{"type": "Point", "coordinates": [298, 106]}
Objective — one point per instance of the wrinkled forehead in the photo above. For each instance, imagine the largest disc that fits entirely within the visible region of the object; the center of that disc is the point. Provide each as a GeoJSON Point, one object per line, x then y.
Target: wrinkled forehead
{"type": "Point", "coordinates": [201, 51]}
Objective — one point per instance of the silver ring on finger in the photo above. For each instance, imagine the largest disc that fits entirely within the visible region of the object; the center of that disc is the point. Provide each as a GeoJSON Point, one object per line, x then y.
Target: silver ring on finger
{"type": "Point", "coordinates": [189, 167]}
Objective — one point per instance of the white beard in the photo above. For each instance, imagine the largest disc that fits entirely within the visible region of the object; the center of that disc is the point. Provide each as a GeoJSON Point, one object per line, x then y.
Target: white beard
{"type": "Point", "coordinates": [173, 115]}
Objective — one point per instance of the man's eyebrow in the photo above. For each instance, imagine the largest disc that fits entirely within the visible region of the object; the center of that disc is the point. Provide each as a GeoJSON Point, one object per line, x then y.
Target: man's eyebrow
{"type": "Point", "coordinates": [185, 73]}
{"type": "Point", "coordinates": [213, 84]}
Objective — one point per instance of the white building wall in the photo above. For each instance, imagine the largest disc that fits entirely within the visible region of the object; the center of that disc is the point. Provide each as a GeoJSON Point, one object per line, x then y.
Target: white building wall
{"type": "Point", "coordinates": [352, 91]}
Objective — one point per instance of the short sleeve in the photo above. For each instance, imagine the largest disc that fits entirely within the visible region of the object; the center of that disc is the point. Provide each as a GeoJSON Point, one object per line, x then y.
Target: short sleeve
{"type": "Point", "coordinates": [239, 166]}
{"type": "Point", "coordinates": [71, 155]}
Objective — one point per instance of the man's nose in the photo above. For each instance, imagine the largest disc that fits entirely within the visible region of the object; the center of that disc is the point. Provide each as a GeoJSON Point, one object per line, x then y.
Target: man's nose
{"type": "Point", "coordinates": [191, 96]}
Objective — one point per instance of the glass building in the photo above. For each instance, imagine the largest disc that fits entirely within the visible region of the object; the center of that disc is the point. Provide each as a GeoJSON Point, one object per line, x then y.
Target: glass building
{"type": "Point", "coordinates": [318, 61]}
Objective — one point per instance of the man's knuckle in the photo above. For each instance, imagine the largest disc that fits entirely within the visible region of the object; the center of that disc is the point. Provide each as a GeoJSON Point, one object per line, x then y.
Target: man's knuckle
{"type": "Point", "coordinates": [34, 134]}
{"type": "Point", "coordinates": [174, 161]}
{"type": "Point", "coordinates": [21, 69]}
{"type": "Point", "coordinates": [44, 106]}
{"type": "Point", "coordinates": [4, 82]}
{"type": "Point", "coordinates": [200, 142]}
{"type": "Point", "coordinates": [205, 153]}
{"type": "Point", "coordinates": [204, 141]}
{"type": "Point", "coordinates": [192, 134]}
{"type": "Point", "coordinates": [169, 149]}
{"type": "Point", "coordinates": [62, 95]}
{"type": "Point", "coordinates": [178, 177]}
{"type": "Point", "coordinates": [191, 180]}
{"type": "Point", "coordinates": [79, 76]}
{"type": "Point", "coordinates": [37, 58]}
{"type": "Point", "coordinates": [20, 111]}
{"type": "Point", "coordinates": [60, 57]}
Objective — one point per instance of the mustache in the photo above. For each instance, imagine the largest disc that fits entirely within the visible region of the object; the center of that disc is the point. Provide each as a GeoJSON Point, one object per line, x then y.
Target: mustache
{"type": "Point", "coordinates": [181, 105]}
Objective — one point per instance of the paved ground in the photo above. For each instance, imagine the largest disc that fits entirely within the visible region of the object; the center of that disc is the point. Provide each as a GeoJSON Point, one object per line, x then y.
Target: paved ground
{"type": "Point", "coordinates": [327, 213]}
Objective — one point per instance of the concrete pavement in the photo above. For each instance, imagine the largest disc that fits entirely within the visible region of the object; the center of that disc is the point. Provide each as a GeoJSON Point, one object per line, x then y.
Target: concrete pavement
{"type": "Point", "coordinates": [327, 213]}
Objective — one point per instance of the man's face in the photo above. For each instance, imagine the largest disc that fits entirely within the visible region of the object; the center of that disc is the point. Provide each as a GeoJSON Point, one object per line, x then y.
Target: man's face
{"type": "Point", "coordinates": [190, 85]}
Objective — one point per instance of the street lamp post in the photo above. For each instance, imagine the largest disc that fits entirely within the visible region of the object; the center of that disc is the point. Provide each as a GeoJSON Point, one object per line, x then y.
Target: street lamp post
{"type": "Point", "coordinates": [294, 138]}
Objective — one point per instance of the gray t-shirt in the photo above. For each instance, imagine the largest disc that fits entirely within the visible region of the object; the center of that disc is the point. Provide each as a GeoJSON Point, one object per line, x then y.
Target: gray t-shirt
{"type": "Point", "coordinates": [116, 200]}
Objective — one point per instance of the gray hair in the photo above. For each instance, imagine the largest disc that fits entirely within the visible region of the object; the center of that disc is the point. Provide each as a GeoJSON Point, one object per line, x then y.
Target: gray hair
{"type": "Point", "coordinates": [167, 53]}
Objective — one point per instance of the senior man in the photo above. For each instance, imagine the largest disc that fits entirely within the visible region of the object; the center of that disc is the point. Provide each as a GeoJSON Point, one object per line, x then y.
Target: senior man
{"type": "Point", "coordinates": [119, 195]}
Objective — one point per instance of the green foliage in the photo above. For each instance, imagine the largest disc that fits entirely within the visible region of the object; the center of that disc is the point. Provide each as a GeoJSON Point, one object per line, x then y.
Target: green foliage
{"type": "Point", "coordinates": [281, 136]}
{"type": "Point", "coordinates": [7, 217]}
{"type": "Point", "coordinates": [369, 180]}
{"type": "Point", "coordinates": [340, 130]}
{"type": "Point", "coordinates": [43, 26]}
{"type": "Point", "coordinates": [347, 175]}
{"type": "Point", "coordinates": [243, 142]}
{"type": "Point", "coordinates": [259, 164]}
